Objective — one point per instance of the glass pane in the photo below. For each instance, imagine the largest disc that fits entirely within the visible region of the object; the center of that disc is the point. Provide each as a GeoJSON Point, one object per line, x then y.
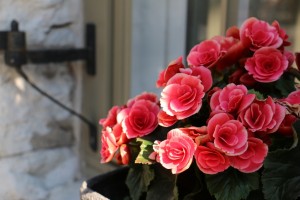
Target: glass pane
{"type": "Point", "coordinates": [196, 23]}
{"type": "Point", "coordinates": [234, 12]}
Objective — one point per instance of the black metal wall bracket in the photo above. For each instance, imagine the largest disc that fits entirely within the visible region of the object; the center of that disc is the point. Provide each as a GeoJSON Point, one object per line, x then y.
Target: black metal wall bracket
{"type": "Point", "coordinates": [16, 54]}
{"type": "Point", "coordinates": [13, 43]}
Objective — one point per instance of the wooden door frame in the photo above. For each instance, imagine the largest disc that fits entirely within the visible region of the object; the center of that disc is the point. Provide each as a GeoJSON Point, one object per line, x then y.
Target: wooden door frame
{"type": "Point", "coordinates": [110, 85]}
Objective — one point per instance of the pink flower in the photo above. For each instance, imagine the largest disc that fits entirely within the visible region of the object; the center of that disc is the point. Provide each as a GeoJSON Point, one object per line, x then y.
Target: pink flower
{"type": "Point", "coordinates": [111, 118]}
{"type": "Point", "coordinates": [230, 136]}
{"type": "Point", "coordinates": [290, 57]}
{"type": "Point", "coordinates": [202, 73]}
{"type": "Point", "coordinates": [293, 98]}
{"type": "Point", "coordinates": [210, 160]}
{"type": "Point", "coordinates": [247, 80]}
{"type": "Point", "coordinates": [232, 55]}
{"type": "Point", "coordinates": [176, 152]}
{"type": "Point", "coordinates": [267, 64]}
{"type": "Point", "coordinates": [140, 119]}
{"type": "Point", "coordinates": [205, 53]}
{"type": "Point", "coordinates": [109, 145]}
{"type": "Point", "coordinates": [172, 69]}
{"type": "Point", "coordinates": [123, 156]}
{"type": "Point", "coordinates": [285, 127]}
{"type": "Point", "coordinates": [166, 120]}
{"type": "Point", "coordinates": [225, 42]}
{"type": "Point", "coordinates": [120, 136]}
{"type": "Point", "coordinates": [252, 159]}
{"type": "Point", "coordinates": [263, 116]}
{"type": "Point", "coordinates": [256, 33]}
{"type": "Point", "coordinates": [232, 99]}
{"type": "Point", "coordinates": [281, 33]}
{"type": "Point", "coordinates": [143, 96]}
{"type": "Point", "coordinates": [198, 134]}
{"type": "Point", "coordinates": [234, 32]}
{"type": "Point", "coordinates": [182, 97]}
{"type": "Point", "coordinates": [194, 132]}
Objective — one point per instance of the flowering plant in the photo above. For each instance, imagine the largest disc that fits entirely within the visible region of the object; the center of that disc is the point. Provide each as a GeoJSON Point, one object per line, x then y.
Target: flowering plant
{"type": "Point", "coordinates": [225, 126]}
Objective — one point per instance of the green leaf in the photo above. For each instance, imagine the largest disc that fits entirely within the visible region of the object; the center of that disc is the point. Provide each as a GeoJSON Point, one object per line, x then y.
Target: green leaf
{"type": "Point", "coordinates": [285, 85]}
{"type": "Point", "coordinates": [163, 186]}
{"type": "Point", "coordinates": [256, 195]}
{"type": "Point", "coordinates": [280, 142]}
{"type": "Point", "coordinates": [257, 94]}
{"type": "Point", "coordinates": [145, 150]}
{"type": "Point", "coordinates": [232, 184]}
{"type": "Point", "coordinates": [138, 180]}
{"type": "Point", "coordinates": [281, 175]}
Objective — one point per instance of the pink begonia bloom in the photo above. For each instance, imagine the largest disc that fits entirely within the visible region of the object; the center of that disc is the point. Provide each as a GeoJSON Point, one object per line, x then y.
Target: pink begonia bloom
{"type": "Point", "coordinates": [286, 127]}
{"type": "Point", "coordinates": [108, 145]}
{"type": "Point", "coordinates": [140, 119]}
{"type": "Point", "coordinates": [182, 97]}
{"type": "Point", "coordinates": [225, 42]}
{"type": "Point", "coordinates": [166, 120]}
{"type": "Point", "coordinates": [143, 96]}
{"type": "Point", "coordinates": [120, 136]}
{"type": "Point", "coordinates": [241, 76]}
{"type": "Point", "coordinates": [123, 156]}
{"type": "Point", "coordinates": [202, 73]}
{"type": "Point", "coordinates": [232, 99]}
{"type": "Point", "coordinates": [266, 65]}
{"type": "Point", "coordinates": [111, 118]}
{"type": "Point", "coordinates": [281, 33]}
{"type": "Point", "coordinates": [263, 116]}
{"type": "Point", "coordinates": [194, 132]}
{"type": "Point", "coordinates": [230, 136]}
{"type": "Point", "coordinates": [176, 152]}
{"type": "Point", "coordinates": [198, 134]}
{"type": "Point", "coordinates": [290, 56]}
{"type": "Point", "coordinates": [206, 53]}
{"type": "Point", "coordinates": [256, 34]}
{"type": "Point", "coordinates": [252, 159]}
{"type": "Point", "coordinates": [234, 32]}
{"type": "Point", "coordinates": [172, 69]}
{"type": "Point", "coordinates": [293, 98]}
{"type": "Point", "coordinates": [210, 160]}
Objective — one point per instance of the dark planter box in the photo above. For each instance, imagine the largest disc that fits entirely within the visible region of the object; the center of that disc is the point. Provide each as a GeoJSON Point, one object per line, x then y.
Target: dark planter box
{"type": "Point", "coordinates": [110, 185]}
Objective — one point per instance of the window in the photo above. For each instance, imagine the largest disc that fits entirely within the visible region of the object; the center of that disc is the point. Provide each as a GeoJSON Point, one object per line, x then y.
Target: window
{"type": "Point", "coordinates": [208, 18]}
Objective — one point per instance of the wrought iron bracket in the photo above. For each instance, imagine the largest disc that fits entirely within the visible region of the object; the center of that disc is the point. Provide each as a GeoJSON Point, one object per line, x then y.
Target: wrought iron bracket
{"type": "Point", "coordinates": [16, 54]}
{"type": "Point", "coordinates": [13, 43]}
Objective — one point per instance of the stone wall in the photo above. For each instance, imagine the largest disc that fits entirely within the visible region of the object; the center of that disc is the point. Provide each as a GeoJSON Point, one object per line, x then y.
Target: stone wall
{"type": "Point", "coordinates": [38, 139]}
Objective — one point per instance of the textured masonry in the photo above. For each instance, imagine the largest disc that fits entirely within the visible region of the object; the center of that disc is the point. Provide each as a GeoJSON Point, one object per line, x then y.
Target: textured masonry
{"type": "Point", "coordinates": [38, 141]}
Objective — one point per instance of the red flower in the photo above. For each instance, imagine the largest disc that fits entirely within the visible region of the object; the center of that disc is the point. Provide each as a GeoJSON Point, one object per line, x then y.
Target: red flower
{"type": "Point", "coordinates": [205, 53]}
{"type": "Point", "coordinates": [263, 116]}
{"type": "Point", "coordinates": [230, 136]}
{"type": "Point", "coordinates": [267, 64]}
{"type": "Point", "coordinates": [210, 160]}
{"type": "Point", "coordinates": [111, 118]}
{"type": "Point", "coordinates": [285, 127]}
{"type": "Point", "coordinates": [252, 159]}
{"type": "Point", "coordinates": [169, 72]}
{"type": "Point", "coordinates": [176, 152]}
{"type": "Point", "coordinates": [108, 145]}
{"type": "Point", "coordinates": [140, 119]}
{"type": "Point", "coordinates": [232, 99]}
{"type": "Point", "coordinates": [256, 33]}
{"type": "Point", "coordinates": [166, 120]}
{"type": "Point", "coordinates": [182, 97]}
